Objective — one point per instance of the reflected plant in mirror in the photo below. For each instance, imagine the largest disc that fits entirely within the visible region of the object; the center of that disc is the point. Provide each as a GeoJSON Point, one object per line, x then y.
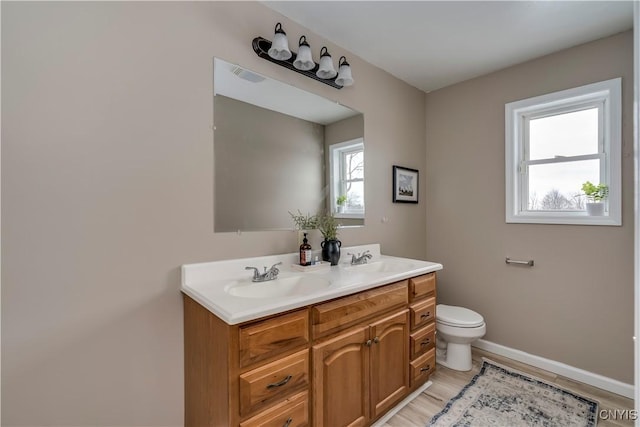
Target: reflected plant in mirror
{"type": "Point", "coordinates": [275, 151]}
{"type": "Point", "coordinates": [304, 222]}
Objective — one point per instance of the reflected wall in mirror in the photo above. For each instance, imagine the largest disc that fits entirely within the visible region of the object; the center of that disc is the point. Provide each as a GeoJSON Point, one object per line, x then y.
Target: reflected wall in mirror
{"type": "Point", "coordinates": [280, 149]}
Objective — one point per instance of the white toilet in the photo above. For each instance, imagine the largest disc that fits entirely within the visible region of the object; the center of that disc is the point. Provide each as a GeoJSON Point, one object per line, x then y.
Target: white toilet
{"type": "Point", "coordinates": [457, 328]}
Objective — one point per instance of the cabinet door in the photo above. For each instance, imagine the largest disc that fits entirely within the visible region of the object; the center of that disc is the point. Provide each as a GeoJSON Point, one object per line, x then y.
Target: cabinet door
{"type": "Point", "coordinates": [389, 361]}
{"type": "Point", "coordinates": [341, 380]}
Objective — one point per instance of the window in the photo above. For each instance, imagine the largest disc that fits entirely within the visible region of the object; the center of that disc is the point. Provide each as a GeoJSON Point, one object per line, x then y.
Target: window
{"type": "Point", "coordinates": [556, 142]}
{"type": "Point", "coordinates": [346, 162]}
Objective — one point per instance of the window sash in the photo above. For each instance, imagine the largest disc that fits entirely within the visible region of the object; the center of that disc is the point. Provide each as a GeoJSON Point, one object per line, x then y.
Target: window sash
{"type": "Point", "coordinates": [524, 180]}
{"type": "Point", "coordinates": [526, 147]}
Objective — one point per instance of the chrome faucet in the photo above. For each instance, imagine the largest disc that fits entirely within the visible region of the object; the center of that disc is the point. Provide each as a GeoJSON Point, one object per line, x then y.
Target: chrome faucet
{"type": "Point", "coordinates": [361, 258]}
{"type": "Point", "coordinates": [270, 274]}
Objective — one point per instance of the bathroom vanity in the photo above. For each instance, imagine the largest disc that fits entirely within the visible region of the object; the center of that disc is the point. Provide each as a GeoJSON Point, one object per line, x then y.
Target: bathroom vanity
{"type": "Point", "coordinates": [330, 346]}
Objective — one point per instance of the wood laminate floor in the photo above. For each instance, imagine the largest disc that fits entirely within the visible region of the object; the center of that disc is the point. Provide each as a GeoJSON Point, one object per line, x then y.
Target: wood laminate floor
{"type": "Point", "coordinates": [447, 383]}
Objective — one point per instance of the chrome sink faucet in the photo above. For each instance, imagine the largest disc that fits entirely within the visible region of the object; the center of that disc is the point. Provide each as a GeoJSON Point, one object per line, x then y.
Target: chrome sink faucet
{"type": "Point", "coordinates": [361, 258]}
{"type": "Point", "coordinates": [270, 274]}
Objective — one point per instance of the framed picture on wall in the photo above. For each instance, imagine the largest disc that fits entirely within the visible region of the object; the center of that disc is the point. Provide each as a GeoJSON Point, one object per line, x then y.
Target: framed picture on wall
{"type": "Point", "coordinates": [405, 185]}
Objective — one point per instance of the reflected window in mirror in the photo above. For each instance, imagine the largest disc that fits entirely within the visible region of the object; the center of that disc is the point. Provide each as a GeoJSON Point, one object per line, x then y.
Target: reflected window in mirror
{"type": "Point", "coordinates": [346, 160]}
{"type": "Point", "coordinates": [271, 150]}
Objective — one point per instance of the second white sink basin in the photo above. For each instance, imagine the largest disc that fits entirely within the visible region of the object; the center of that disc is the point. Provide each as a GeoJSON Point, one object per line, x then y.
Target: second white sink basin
{"type": "Point", "coordinates": [382, 266]}
{"type": "Point", "coordinates": [280, 287]}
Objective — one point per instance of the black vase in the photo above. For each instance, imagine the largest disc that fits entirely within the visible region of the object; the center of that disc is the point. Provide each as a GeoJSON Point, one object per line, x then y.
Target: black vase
{"type": "Point", "coordinates": [331, 251]}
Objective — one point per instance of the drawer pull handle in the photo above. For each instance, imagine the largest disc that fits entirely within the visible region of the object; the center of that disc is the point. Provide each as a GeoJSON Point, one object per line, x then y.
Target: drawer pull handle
{"type": "Point", "coordinates": [280, 383]}
{"type": "Point", "coordinates": [427, 314]}
{"type": "Point", "coordinates": [426, 342]}
{"type": "Point", "coordinates": [288, 422]}
{"type": "Point", "coordinates": [426, 368]}
{"type": "Point", "coordinates": [376, 340]}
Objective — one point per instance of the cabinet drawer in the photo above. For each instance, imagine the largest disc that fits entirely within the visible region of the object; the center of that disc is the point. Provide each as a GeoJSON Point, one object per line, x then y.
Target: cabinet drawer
{"type": "Point", "coordinates": [348, 310]}
{"type": "Point", "coordinates": [273, 381]}
{"type": "Point", "coordinates": [422, 367]}
{"type": "Point", "coordinates": [423, 340]}
{"type": "Point", "coordinates": [293, 412]}
{"type": "Point", "coordinates": [422, 286]}
{"type": "Point", "coordinates": [262, 340]}
{"type": "Point", "coordinates": [423, 312]}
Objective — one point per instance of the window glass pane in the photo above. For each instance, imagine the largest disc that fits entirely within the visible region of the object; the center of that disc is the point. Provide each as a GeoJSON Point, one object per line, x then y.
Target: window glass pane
{"type": "Point", "coordinates": [355, 196]}
{"type": "Point", "coordinates": [567, 134]}
{"type": "Point", "coordinates": [557, 186]}
{"type": "Point", "coordinates": [354, 165]}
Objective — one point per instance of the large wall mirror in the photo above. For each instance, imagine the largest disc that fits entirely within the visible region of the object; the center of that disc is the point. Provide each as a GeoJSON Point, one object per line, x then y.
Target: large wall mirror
{"type": "Point", "coordinates": [280, 149]}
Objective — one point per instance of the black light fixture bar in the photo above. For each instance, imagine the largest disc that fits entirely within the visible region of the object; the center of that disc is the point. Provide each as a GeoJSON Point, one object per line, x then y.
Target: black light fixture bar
{"type": "Point", "coordinates": [261, 47]}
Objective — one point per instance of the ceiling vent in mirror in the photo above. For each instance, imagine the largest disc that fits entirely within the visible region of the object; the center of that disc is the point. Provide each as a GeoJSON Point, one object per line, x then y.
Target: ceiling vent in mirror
{"type": "Point", "coordinates": [279, 53]}
{"type": "Point", "coordinates": [247, 75]}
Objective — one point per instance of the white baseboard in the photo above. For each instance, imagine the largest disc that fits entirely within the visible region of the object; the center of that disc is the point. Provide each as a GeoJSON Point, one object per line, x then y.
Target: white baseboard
{"type": "Point", "coordinates": [577, 374]}
{"type": "Point", "coordinates": [382, 421]}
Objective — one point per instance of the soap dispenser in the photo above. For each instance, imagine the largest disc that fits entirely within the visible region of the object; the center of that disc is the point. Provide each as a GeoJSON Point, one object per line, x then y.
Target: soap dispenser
{"type": "Point", "coordinates": [305, 251]}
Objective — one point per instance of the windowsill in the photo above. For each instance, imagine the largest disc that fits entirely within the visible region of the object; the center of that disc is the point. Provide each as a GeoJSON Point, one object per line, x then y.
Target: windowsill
{"type": "Point", "coordinates": [566, 219]}
{"type": "Point", "coordinates": [345, 215]}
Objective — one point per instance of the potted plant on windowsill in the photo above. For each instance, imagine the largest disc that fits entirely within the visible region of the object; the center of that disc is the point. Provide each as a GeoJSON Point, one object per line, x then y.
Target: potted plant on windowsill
{"type": "Point", "coordinates": [596, 194]}
{"type": "Point", "coordinates": [328, 226]}
{"type": "Point", "coordinates": [340, 202]}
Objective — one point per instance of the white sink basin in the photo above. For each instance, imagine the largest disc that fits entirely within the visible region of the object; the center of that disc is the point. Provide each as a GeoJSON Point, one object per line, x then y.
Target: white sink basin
{"type": "Point", "coordinates": [280, 287]}
{"type": "Point", "coordinates": [382, 266]}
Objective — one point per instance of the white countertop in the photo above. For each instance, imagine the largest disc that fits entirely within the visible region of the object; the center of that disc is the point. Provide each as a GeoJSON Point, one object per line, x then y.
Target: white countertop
{"type": "Point", "coordinates": [208, 283]}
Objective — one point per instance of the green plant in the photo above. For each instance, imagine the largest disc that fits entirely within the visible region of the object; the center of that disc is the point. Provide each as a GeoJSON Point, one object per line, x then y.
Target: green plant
{"type": "Point", "coordinates": [595, 193]}
{"type": "Point", "coordinates": [304, 222]}
{"type": "Point", "coordinates": [340, 201]}
{"type": "Point", "coordinates": [328, 226]}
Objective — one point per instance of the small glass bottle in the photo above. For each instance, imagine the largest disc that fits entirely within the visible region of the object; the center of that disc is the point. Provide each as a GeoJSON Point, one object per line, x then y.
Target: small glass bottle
{"type": "Point", "coordinates": [305, 251]}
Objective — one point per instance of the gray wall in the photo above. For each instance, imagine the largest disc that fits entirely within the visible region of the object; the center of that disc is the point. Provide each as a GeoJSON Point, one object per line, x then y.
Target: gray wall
{"type": "Point", "coordinates": [266, 164]}
{"type": "Point", "coordinates": [107, 188]}
{"type": "Point", "coordinates": [576, 305]}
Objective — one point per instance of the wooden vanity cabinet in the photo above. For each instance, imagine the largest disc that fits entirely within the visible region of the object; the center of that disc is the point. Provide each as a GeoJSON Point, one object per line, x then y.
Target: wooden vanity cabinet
{"type": "Point", "coordinates": [344, 362]}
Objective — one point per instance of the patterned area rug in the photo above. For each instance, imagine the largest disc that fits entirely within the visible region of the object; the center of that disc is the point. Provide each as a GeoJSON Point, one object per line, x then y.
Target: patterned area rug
{"type": "Point", "coordinates": [500, 396]}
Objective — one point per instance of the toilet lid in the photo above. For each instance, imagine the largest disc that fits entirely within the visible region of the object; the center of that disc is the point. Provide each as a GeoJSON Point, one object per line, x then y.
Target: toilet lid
{"type": "Point", "coordinates": [458, 316]}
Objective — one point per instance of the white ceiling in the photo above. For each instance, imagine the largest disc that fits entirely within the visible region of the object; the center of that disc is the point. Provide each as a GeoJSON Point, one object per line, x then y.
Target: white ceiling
{"type": "Point", "coordinates": [432, 44]}
{"type": "Point", "coordinates": [247, 86]}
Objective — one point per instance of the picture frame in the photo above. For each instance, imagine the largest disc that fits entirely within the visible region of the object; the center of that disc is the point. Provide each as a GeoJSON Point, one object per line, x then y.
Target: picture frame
{"type": "Point", "coordinates": [405, 184]}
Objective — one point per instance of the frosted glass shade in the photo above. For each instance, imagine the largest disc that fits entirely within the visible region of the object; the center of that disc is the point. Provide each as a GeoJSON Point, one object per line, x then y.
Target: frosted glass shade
{"type": "Point", "coordinates": [344, 75]}
{"type": "Point", "coordinates": [304, 60]}
{"type": "Point", "coordinates": [280, 46]}
{"type": "Point", "coordinates": [326, 70]}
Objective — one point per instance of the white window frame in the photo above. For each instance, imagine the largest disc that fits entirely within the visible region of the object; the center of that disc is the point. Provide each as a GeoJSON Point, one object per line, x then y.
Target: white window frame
{"type": "Point", "coordinates": [606, 96]}
{"type": "Point", "coordinates": [335, 166]}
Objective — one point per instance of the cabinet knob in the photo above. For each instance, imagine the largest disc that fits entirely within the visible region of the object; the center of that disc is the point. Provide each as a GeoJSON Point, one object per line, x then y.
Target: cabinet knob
{"type": "Point", "coordinates": [288, 422]}
{"type": "Point", "coordinates": [376, 340]}
{"type": "Point", "coordinates": [368, 343]}
{"type": "Point", "coordinates": [426, 368]}
{"type": "Point", "coordinates": [280, 383]}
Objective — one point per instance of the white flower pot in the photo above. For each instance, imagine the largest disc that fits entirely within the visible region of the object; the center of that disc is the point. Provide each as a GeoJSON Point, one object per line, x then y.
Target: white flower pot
{"type": "Point", "coordinates": [595, 209]}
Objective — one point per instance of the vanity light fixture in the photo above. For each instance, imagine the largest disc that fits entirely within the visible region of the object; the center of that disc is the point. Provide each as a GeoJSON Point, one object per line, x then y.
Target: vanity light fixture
{"type": "Point", "coordinates": [344, 73]}
{"type": "Point", "coordinates": [302, 62]}
{"type": "Point", "coordinates": [280, 47]}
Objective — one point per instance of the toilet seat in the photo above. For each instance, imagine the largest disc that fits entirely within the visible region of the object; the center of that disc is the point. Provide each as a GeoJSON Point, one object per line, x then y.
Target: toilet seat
{"type": "Point", "coordinates": [459, 317]}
